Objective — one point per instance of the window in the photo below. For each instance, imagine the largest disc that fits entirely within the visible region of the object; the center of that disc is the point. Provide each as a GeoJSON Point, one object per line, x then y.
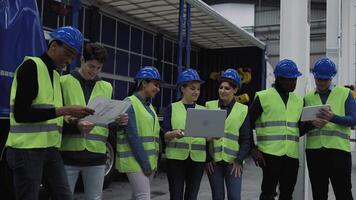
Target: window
{"type": "Point", "coordinates": [129, 48]}
{"type": "Point", "coordinates": [108, 31]}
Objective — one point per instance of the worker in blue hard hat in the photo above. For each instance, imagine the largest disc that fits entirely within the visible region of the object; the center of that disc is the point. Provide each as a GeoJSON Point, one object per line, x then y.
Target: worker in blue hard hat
{"type": "Point", "coordinates": [275, 114]}
{"type": "Point", "coordinates": [186, 156]}
{"type": "Point", "coordinates": [328, 141]}
{"type": "Point", "coordinates": [228, 153]}
{"type": "Point", "coordinates": [138, 145]}
{"type": "Point", "coordinates": [36, 118]}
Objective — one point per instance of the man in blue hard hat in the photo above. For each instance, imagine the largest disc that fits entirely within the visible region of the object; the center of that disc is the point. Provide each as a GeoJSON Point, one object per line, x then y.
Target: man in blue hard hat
{"type": "Point", "coordinates": [36, 118]}
{"type": "Point", "coordinates": [275, 114]}
{"type": "Point", "coordinates": [328, 149]}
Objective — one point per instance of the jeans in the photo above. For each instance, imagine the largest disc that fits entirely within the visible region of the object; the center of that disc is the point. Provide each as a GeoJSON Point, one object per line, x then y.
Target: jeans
{"type": "Point", "coordinates": [222, 174]}
{"type": "Point", "coordinates": [93, 180]}
{"type": "Point", "coordinates": [186, 172]}
{"type": "Point", "coordinates": [281, 170]}
{"type": "Point", "coordinates": [329, 164]}
{"type": "Point", "coordinates": [31, 167]}
{"type": "Point", "coordinates": [141, 185]}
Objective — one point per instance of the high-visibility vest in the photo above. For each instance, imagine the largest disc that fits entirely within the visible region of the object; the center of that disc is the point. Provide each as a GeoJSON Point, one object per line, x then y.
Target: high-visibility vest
{"type": "Point", "coordinates": [332, 135]}
{"type": "Point", "coordinates": [277, 128]}
{"type": "Point", "coordinates": [180, 149]}
{"type": "Point", "coordinates": [40, 134]}
{"type": "Point", "coordinates": [227, 147]}
{"type": "Point", "coordinates": [73, 95]}
{"type": "Point", "coordinates": [148, 130]}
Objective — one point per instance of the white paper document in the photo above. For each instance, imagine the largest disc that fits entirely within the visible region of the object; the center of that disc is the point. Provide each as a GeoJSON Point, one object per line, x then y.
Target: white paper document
{"type": "Point", "coordinates": [310, 112]}
{"type": "Point", "coordinates": [106, 110]}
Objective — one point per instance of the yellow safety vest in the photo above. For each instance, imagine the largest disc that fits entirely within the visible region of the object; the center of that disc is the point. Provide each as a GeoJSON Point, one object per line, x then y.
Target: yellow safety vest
{"type": "Point", "coordinates": [148, 130]}
{"type": "Point", "coordinates": [180, 149]}
{"type": "Point", "coordinates": [41, 134]}
{"type": "Point", "coordinates": [227, 147]}
{"type": "Point", "coordinates": [277, 128]}
{"type": "Point", "coordinates": [332, 135]}
{"type": "Point", "coordinates": [73, 95]}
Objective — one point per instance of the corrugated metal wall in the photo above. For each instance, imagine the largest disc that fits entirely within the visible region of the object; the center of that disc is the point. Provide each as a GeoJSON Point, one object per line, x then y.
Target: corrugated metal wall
{"type": "Point", "coordinates": [266, 28]}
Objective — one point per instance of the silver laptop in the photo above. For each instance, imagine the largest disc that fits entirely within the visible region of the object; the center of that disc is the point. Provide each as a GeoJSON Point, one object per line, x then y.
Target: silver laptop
{"type": "Point", "coordinates": [205, 123]}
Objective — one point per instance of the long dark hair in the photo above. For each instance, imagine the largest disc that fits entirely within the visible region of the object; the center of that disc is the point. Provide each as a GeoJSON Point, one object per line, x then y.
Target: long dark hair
{"type": "Point", "coordinates": [136, 86]}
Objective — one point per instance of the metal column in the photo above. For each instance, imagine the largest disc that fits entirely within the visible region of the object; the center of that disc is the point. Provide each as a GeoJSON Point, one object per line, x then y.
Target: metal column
{"type": "Point", "coordinates": [75, 23]}
{"type": "Point", "coordinates": [295, 45]}
{"type": "Point", "coordinates": [187, 36]}
{"type": "Point", "coordinates": [333, 32]}
{"type": "Point", "coordinates": [347, 62]}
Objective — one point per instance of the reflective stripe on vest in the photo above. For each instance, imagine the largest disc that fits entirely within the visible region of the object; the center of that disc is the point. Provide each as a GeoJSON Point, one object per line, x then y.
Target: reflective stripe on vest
{"type": "Point", "coordinates": [332, 135]}
{"type": "Point", "coordinates": [181, 145]}
{"type": "Point", "coordinates": [47, 106]}
{"type": "Point", "coordinates": [73, 95]}
{"type": "Point", "coordinates": [89, 136]}
{"type": "Point", "coordinates": [231, 136]}
{"type": "Point", "coordinates": [126, 154]}
{"type": "Point", "coordinates": [33, 128]}
{"type": "Point", "coordinates": [227, 147]}
{"type": "Point", "coordinates": [148, 130]}
{"type": "Point", "coordinates": [40, 134]}
{"type": "Point", "coordinates": [328, 133]}
{"type": "Point", "coordinates": [276, 123]}
{"type": "Point", "coordinates": [225, 150]}
{"type": "Point", "coordinates": [277, 128]}
{"type": "Point", "coordinates": [278, 137]}
{"type": "Point", "coordinates": [180, 149]}
{"type": "Point", "coordinates": [143, 139]}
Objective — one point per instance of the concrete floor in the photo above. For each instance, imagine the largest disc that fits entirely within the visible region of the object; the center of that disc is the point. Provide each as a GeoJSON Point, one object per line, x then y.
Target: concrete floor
{"type": "Point", "coordinates": [120, 190]}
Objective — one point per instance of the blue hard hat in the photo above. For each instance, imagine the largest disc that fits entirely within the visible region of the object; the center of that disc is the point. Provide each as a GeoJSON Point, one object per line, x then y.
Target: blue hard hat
{"type": "Point", "coordinates": [187, 76]}
{"type": "Point", "coordinates": [232, 75]}
{"type": "Point", "coordinates": [148, 72]}
{"type": "Point", "coordinates": [287, 68]}
{"type": "Point", "coordinates": [324, 69]}
{"type": "Point", "coordinates": [69, 36]}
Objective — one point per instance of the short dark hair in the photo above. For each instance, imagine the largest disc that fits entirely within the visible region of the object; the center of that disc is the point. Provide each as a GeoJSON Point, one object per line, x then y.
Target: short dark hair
{"type": "Point", "coordinates": [93, 51]}
{"type": "Point", "coordinates": [60, 43]}
{"type": "Point", "coordinates": [230, 82]}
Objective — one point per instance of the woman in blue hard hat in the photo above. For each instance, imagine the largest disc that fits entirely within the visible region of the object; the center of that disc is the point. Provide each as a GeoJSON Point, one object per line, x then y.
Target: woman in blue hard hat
{"type": "Point", "coordinates": [328, 141]}
{"type": "Point", "coordinates": [186, 156]}
{"type": "Point", "coordinates": [138, 144]}
{"type": "Point", "coordinates": [36, 119]}
{"type": "Point", "coordinates": [229, 152]}
{"type": "Point", "coordinates": [275, 114]}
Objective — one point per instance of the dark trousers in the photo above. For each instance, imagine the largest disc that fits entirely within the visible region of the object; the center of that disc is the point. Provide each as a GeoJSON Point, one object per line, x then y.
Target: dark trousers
{"type": "Point", "coordinates": [329, 164]}
{"type": "Point", "coordinates": [32, 166]}
{"type": "Point", "coordinates": [281, 170]}
{"type": "Point", "coordinates": [6, 189]}
{"type": "Point", "coordinates": [188, 172]}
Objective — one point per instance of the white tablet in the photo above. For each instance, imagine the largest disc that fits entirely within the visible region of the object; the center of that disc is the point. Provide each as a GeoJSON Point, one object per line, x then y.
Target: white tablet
{"type": "Point", "coordinates": [310, 112]}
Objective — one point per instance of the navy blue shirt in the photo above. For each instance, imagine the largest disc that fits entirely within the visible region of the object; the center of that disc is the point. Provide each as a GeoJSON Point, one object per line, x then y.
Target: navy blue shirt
{"type": "Point", "coordinates": [134, 140]}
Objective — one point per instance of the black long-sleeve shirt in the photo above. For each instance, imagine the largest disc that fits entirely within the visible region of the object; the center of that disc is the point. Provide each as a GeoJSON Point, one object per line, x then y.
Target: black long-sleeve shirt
{"type": "Point", "coordinates": [27, 90]}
